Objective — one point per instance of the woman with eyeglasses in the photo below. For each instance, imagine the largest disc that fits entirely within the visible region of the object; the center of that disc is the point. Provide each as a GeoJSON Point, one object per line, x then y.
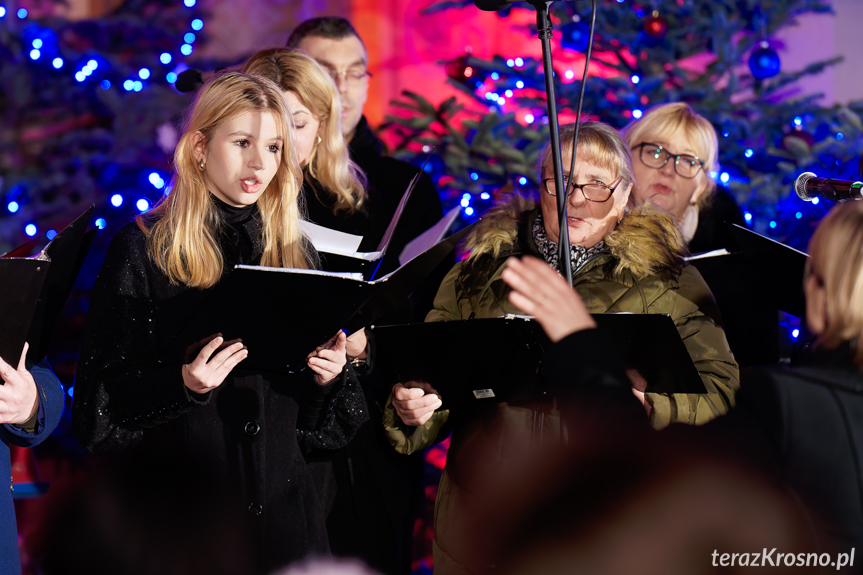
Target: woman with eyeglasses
{"type": "Point", "coordinates": [622, 261]}
{"type": "Point", "coordinates": [674, 151]}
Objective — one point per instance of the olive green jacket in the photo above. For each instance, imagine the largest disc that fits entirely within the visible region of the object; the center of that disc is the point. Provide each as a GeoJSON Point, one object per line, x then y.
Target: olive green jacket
{"type": "Point", "coordinates": [643, 273]}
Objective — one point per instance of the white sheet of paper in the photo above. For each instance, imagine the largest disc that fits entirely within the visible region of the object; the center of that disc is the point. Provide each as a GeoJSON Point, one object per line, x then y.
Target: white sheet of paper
{"type": "Point", "coordinates": [428, 238]}
{"type": "Point", "coordinates": [710, 254]}
{"type": "Point", "coordinates": [331, 241]}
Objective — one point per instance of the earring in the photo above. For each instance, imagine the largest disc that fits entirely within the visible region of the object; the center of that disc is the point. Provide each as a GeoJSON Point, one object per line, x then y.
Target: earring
{"type": "Point", "coordinates": [201, 165]}
{"type": "Point", "coordinates": [319, 140]}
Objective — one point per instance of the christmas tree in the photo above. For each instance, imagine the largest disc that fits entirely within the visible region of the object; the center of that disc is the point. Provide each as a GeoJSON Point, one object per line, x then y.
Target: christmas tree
{"type": "Point", "coordinates": [716, 56]}
{"type": "Point", "coordinates": [89, 112]}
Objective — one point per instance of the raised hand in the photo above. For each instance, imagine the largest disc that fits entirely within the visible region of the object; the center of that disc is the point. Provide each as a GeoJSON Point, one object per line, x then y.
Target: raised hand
{"type": "Point", "coordinates": [415, 402]}
{"type": "Point", "coordinates": [205, 373]}
{"type": "Point", "coordinates": [19, 397]}
{"type": "Point", "coordinates": [539, 291]}
{"type": "Point", "coordinates": [328, 360]}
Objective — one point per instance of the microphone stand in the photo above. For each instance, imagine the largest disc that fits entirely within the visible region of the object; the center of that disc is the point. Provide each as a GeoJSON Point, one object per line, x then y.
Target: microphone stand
{"type": "Point", "coordinates": [544, 30]}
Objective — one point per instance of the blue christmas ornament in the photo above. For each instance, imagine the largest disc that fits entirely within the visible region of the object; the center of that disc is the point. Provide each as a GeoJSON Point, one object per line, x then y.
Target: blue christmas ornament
{"type": "Point", "coordinates": [575, 36]}
{"type": "Point", "coordinates": [764, 63]}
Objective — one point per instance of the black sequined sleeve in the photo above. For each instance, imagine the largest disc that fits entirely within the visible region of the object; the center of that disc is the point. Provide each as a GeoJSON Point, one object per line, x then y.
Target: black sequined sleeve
{"type": "Point", "coordinates": [329, 418]}
{"type": "Point", "coordinates": [119, 387]}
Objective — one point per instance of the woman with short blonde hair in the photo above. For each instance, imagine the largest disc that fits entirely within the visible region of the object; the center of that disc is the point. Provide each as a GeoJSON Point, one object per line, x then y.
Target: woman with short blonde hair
{"type": "Point", "coordinates": [675, 157]}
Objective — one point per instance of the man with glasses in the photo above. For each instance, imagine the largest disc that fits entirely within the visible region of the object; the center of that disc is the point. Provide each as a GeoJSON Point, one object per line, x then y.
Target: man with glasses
{"type": "Point", "coordinates": [372, 495]}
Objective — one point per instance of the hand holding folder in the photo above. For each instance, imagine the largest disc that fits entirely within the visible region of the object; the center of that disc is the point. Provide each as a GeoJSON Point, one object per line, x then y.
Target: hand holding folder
{"type": "Point", "coordinates": [304, 308]}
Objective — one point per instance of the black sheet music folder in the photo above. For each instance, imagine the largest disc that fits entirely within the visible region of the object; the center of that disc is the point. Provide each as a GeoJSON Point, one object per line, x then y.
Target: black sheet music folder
{"type": "Point", "coordinates": [498, 358]}
{"type": "Point", "coordinates": [34, 290]}
{"type": "Point", "coordinates": [281, 314]}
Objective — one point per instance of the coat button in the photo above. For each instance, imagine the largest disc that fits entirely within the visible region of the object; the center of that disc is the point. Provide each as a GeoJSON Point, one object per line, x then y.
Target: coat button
{"type": "Point", "coordinates": [252, 429]}
{"type": "Point", "coordinates": [256, 509]}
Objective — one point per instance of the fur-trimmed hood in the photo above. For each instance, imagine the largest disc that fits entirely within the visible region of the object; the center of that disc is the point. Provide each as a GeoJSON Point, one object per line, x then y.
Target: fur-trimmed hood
{"type": "Point", "coordinates": [645, 242]}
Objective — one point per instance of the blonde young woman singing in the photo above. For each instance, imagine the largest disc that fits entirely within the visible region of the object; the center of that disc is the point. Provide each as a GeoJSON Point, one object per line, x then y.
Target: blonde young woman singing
{"type": "Point", "coordinates": [236, 189]}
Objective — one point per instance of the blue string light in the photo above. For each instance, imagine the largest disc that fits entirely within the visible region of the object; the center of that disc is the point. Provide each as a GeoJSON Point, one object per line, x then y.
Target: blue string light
{"type": "Point", "coordinates": [186, 49]}
{"type": "Point", "coordinates": [772, 224]}
{"type": "Point", "coordinates": [510, 62]}
{"type": "Point", "coordinates": [519, 62]}
{"type": "Point", "coordinates": [798, 120]}
{"type": "Point", "coordinates": [165, 58]}
{"type": "Point", "coordinates": [495, 76]}
{"type": "Point", "coordinates": [468, 211]}
{"type": "Point", "coordinates": [522, 181]}
{"type": "Point", "coordinates": [529, 118]}
{"type": "Point", "coordinates": [144, 73]}
{"type": "Point", "coordinates": [30, 230]}
{"type": "Point", "coordinates": [485, 196]}
{"type": "Point", "coordinates": [37, 43]}
{"type": "Point", "coordinates": [116, 200]}
{"type": "Point", "coordinates": [748, 153]}
{"type": "Point", "coordinates": [12, 207]}
{"type": "Point", "coordinates": [105, 84]}
{"type": "Point", "coordinates": [171, 77]}
{"type": "Point", "coordinates": [51, 234]}
{"type": "Point", "coordinates": [57, 63]}
{"type": "Point", "coordinates": [34, 54]}
{"type": "Point", "coordinates": [636, 114]}
{"type": "Point", "coordinates": [2, 11]}
{"type": "Point", "coordinates": [747, 216]}
{"type": "Point", "coordinates": [798, 215]}
{"type": "Point", "coordinates": [724, 177]}
{"type": "Point", "coordinates": [474, 176]}
{"type": "Point", "coordinates": [189, 37]}
{"type": "Point", "coordinates": [80, 76]}
{"type": "Point", "coordinates": [138, 86]}
{"type": "Point", "coordinates": [189, 3]}
{"type": "Point", "coordinates": [128, 85]}
{"type": "Point", "coordinates": [519, 84]}
{"type": "Point", "coordinates": [101, 223]}
{"type": "Point", "coordinates": [142, 205]}
{"type": "Point", "coordinates": [22, 13]}
{"type": "Point", "coordinates": [815, 201]}
{"type": "Point", "coordinates": [197, 24]}
{"type": "Point", "coordinates": [840, 136]}
{"type": "Point", "coordinates": [795, 333]}
{"type": "Point", "coordinates": [465, 202]}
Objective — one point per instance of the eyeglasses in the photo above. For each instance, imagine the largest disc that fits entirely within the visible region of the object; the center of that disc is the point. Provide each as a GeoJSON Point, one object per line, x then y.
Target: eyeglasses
{"type": "Point", "coordinates": [352, 77]}
{"type": "Point", "coordinates": [592, 192]}
{"type": "Point", "coordinates": [655, 156]}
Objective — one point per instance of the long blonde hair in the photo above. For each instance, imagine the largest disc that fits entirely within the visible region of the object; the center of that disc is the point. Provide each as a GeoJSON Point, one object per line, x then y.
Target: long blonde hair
{"type": "Point", "coordinates": [836, 261]}
{"type": "Point", "coordinates": [329, 163]}
{"type": "Point", "coordinates": [182, 229]}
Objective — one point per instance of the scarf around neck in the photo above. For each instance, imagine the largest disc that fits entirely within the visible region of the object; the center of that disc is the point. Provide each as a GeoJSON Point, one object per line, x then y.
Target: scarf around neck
{"type": "Point", "coordinates": [578, 255]}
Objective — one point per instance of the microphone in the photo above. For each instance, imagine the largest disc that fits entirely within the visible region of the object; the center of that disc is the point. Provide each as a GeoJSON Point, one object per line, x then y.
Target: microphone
{"type": "Point", "coordinates": [809, 186]}
{"type": "Point", "coordinates": [189, 80]}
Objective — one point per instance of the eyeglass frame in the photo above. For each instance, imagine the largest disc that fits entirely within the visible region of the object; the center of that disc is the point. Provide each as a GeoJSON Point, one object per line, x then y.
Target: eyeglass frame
{"type": "Point", "coordinates": [334, 74]}
{"type": "Point", "coordinates": [668, 156]}
{"type": "Point", "coordinates": [568, 184]}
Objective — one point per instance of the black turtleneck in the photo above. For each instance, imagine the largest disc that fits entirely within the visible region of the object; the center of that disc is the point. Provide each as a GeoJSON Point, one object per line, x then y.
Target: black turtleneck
{"type": "Point", "coordinates": [239, 233]}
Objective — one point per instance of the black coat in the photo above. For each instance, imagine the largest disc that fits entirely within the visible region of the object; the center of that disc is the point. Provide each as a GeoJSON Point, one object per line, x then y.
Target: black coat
{"type": "Point", "coordinates": [390, 177]}
{"type": "Point", "coordinates": [370, 221]}
{"type": "Point", "coordinates": [749, 314]}
{"type": "Point", "coordinates": [247, 428]}
{"type": "Point", "coordinates": [804, 427]}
